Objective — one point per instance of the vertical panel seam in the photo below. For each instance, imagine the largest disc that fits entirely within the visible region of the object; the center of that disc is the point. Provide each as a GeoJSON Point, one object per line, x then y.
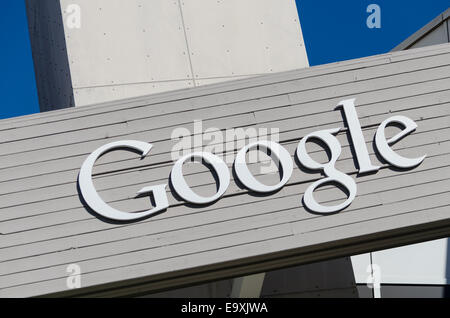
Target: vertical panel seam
{"type": "Point", "coordinates": [187, 43]}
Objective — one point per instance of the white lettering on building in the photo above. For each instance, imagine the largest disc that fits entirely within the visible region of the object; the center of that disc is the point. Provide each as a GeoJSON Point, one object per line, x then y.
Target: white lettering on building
{"type": "Point", "coordinates": [280, 156]}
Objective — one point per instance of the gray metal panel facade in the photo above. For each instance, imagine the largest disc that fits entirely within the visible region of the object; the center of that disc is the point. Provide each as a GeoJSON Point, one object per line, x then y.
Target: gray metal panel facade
{"type": "Point", "coordinates": [437, 36]}
{"type": "Point", "coordinates": [44, 226]}
{"type": "Point", "coordinates": [437, 31]}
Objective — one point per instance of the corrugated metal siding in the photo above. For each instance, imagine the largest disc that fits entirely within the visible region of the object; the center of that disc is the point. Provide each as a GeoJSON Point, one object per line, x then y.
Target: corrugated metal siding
{"type": "Point", "coordinates": [44, 226]}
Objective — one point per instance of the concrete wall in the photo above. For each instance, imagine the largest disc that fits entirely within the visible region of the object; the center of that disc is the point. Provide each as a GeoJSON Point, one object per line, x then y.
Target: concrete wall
{"type": "Point", "coordinates": [130, 48]}
{"type": "Point", "coordinates": [45, 227]}
{"type": "Point", "coordinates": [425, 263]}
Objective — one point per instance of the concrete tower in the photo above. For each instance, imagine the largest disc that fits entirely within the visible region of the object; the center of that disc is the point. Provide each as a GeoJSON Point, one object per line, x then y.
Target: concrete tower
{"type": "Point", "coordinates": [93, 51]}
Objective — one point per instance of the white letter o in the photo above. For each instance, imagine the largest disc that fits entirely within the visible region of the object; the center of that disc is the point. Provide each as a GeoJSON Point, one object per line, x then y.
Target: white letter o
{"type": "Point", "coordinates": [247, 178]}
{"type": "Point", "coordinates": [183, 189]}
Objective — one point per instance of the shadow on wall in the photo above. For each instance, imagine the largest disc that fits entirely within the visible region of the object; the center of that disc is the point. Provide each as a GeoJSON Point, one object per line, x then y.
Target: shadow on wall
{"type": "Point", "coordinates": [48, 43]}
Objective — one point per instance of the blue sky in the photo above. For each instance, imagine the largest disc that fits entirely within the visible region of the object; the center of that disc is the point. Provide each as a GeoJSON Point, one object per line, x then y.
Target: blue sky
{"type": "Point", "coordinates": [333, 31]}
{"type": "Point", "coordinates": [337, 30]}
{"type": "Point", "coordinates": [17, 83]}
